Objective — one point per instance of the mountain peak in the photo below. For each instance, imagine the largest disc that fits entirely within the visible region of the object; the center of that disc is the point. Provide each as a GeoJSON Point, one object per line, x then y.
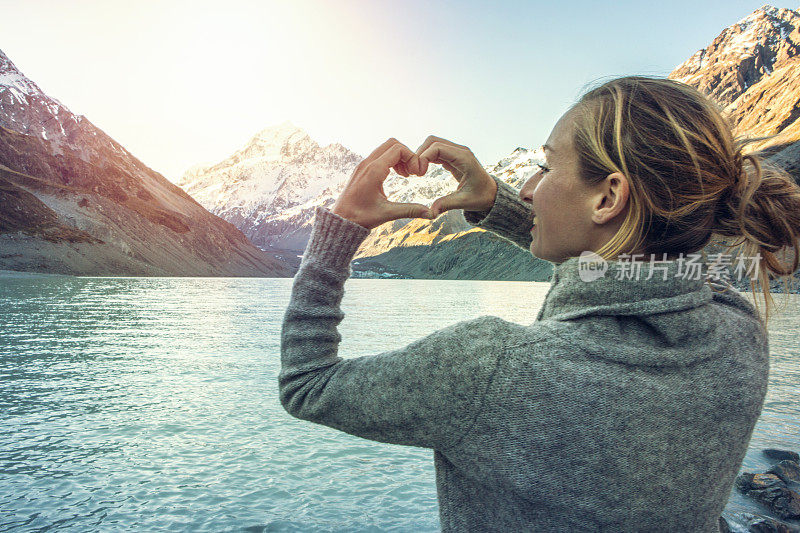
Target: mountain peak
{"type": "Point", "coordinates": [25, 108]}
{"type": "Point", "coordinates": [743, 54]}
{"type": "Point", "coordinates": [779, 12]}
{"type": "Point", "coordinates": [766, 8]}
{"type": "Point", "coordinates": [11, 77]}
{"type": "Point", "coordinates": [5, 62]}
{"type": "Point", "coordinates": [773, 15]}
{"type": "Point", "coordinates": [284, 130]}
{"type": "Point", "coordinates": [279, 141]}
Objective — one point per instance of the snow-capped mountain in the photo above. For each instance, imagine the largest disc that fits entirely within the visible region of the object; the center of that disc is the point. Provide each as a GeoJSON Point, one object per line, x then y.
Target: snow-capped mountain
{"type": "Point", "coordinates": [271, 187]}
{"type": "Point", "coordinates": [752, 69]}
{"type": "Point", "coordinates": [279, 168]}
{"type": "Point", "coordinates": [743, 54]}
{"type": "Point", "coordinates": [26, 109]}
{"type": "Point", "coordinates": [76, 202]}
{"type": "Point", "coordinates": [519, 166]}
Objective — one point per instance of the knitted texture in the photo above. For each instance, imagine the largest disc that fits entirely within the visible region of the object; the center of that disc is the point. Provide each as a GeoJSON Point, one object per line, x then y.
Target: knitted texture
{"type": "Point", "coordinates": [627, 405]}
{"type": "Point", "coordinates": [510, 217]}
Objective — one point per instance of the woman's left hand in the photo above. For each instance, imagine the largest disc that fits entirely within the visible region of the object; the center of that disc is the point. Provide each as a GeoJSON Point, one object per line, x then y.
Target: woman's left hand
{"type": "Point", "coordinates": [363, 200]}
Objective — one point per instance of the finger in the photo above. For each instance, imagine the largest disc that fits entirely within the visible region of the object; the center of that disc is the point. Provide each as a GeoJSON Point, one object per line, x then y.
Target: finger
{"type": "Point", "coordinates": [409, 161]}
{"type": "Point", "coordinates": [395, 210]}
{"type": "Point", "coordinates": [446, 155]}
{"type": "Point", "coordinates": [380, 150]}
{"type": "Point", "coordinates": [414, 165]}
{"type": "Point", "coordinates": [446, 203]}
{"type": "Point", "coordinates": [432, 139]}
{"type": "Point", "coordinates": [409, 167]}
{"type": "Point", "coordinates": [450, 168]}
{"type": "Point", "coordinates": [395, 154]}
{"type": "Point", "coordinates": [419, 170]}
{"type": "Point", "coordinates": [401, 169]}
{"type": "Point", "coordinates": [423, 164]}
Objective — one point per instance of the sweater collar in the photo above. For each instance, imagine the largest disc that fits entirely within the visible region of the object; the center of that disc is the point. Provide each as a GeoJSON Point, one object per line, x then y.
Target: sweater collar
{"type": "Point", "coordinates": [625, 288]}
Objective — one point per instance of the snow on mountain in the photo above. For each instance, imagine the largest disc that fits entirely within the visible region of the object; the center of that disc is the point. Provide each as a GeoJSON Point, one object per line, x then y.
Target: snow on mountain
{"type": "Point", "coordinates": [518, 167]}
{"type": "Point", "coordinates": [26, 109]}
{"type": "Point", "coordinates": [11, 78]}
{"type": "Point", "coordinates": [743, 53]}
{"type": "Point", "coordinates": [74, 201]}
{"type": "Point", "coordinates": [278, 170]}
{"type": "Point", "coordinates": [752, 70]}
{"type": "Point", "coordinates": [271, 187]}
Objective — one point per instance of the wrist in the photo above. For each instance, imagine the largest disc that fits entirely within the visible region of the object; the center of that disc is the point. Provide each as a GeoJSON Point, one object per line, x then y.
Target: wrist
{"type": "Point", "coordinates": [350, 217]}
{"type": "Point", "coordinates": [492, 183]}
{"type": "Point", "coordinates": [339, 211]}
{"type": "Point", "coordinates": [494, 192]}
{"type": "Point", "coordinates": [334, 239]}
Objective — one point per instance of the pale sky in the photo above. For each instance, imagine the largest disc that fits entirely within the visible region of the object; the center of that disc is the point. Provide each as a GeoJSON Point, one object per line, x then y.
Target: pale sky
{"type": "Point", "coordinates": [182, 83]}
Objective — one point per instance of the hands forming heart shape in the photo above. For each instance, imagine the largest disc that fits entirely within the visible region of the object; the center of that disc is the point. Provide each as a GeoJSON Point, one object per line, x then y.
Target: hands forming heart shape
{"type": "Point", "coordinates": [363, 201]}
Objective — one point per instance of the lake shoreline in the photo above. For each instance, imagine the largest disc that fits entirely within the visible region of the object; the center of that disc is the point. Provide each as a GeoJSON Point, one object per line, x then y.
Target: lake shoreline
{"type": "Point", "coordinates": [775, 288]}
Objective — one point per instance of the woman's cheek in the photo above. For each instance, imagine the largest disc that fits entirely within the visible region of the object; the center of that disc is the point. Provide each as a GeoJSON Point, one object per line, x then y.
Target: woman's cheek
{"type": "Point", "coordinates": [542, 201]}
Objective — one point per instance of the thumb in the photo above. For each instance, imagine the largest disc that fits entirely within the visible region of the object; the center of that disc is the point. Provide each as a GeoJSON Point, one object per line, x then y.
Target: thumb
{"type": "Point", "coordinates": [446, 203]}
{"type": "Point", "coordinates": [397, 210]}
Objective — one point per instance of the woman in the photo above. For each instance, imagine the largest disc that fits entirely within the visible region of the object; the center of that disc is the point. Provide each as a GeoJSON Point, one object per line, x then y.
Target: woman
{"type": "Point", "coordinates": [629, 403]}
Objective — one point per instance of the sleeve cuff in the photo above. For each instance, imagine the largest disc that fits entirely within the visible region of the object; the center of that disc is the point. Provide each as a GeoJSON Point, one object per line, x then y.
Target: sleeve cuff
{"type": "Point", "coordinates": [334, 240]}
{"type": "Point", "coordinates": [506, 213]}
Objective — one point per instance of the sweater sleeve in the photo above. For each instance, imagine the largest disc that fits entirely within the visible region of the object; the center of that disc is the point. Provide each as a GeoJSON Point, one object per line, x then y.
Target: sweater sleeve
{"type": "Point", "coordinates": [425, 394]}
{"type": "Point", "coordinates": [510, 217]}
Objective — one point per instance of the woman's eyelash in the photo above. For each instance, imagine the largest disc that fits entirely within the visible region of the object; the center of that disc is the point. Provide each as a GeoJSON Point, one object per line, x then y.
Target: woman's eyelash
{"type": "Point", "coordinates": [544, 167]}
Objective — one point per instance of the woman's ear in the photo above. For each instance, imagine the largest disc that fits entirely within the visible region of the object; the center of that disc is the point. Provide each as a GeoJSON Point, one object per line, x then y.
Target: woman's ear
{"type": "Point", "coordinates": [610, 198]}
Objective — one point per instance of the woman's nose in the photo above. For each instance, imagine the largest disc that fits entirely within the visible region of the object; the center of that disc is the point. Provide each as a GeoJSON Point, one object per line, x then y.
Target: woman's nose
{"type": "Point", "coordinates": [526, 192]}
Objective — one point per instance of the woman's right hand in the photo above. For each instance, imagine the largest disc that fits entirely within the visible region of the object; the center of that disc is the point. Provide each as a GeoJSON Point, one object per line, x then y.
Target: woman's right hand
{"type": "Point", "coordinates": [476, 189]}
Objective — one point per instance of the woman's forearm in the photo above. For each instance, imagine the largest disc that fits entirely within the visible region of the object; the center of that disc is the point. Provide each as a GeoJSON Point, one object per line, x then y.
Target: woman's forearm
{"type": "Point", "coordinates": [510, 217]}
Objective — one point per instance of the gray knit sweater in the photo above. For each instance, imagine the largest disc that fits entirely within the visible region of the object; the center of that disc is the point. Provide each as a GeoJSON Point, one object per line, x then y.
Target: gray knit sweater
{"type": "Point", "coordinates": [627, 405]}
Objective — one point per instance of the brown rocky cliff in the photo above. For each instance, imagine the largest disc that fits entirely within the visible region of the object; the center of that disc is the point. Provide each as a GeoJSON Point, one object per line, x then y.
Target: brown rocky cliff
{"type": "Point", "coordinates": [752, 70]}
{"type": "Point", "coordinates": [742, 54]}
{"type": "Point", "coordinates": [74, 201]}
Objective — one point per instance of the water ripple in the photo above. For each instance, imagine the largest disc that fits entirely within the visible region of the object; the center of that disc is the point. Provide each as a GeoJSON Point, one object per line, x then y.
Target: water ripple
{"type": "Point", "coordinates": [151, 403]}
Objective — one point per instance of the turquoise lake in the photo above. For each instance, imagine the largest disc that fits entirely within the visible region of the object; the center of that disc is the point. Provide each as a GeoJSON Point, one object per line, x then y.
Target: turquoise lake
{"type": "Point", "coordinates": [151, 404]}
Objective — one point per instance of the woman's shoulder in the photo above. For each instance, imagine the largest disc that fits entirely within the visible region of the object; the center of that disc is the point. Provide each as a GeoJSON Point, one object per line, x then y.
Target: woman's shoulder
{"type": "Point", "coordinates": [724, 293]}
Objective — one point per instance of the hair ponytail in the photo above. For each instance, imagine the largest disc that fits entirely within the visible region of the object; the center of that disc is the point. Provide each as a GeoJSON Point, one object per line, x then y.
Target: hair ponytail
{"type": "Point", "coordinates": [691, 184]}
{"type": "Point", "coordinates": [762, 210]}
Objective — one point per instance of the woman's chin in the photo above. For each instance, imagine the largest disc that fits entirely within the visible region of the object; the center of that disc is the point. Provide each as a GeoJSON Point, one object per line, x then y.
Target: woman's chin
{"type": "Point", "coordinates": [538, 253]}
{"type": "Point", "coordinates": [535, 252]}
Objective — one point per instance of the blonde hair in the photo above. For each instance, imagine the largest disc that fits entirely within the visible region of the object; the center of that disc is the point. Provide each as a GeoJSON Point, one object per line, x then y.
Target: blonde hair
{"type": "Point", "coordinates": [689, 182]}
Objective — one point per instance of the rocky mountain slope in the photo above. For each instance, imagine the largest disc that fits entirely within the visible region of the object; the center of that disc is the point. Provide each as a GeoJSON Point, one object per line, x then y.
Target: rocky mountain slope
{"type": "Point", "coordinates": [74, 201]}
{"type": "Point", "coordinates": [752, 70]}
{"type": "Point", "coordinates": [270, 187]}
